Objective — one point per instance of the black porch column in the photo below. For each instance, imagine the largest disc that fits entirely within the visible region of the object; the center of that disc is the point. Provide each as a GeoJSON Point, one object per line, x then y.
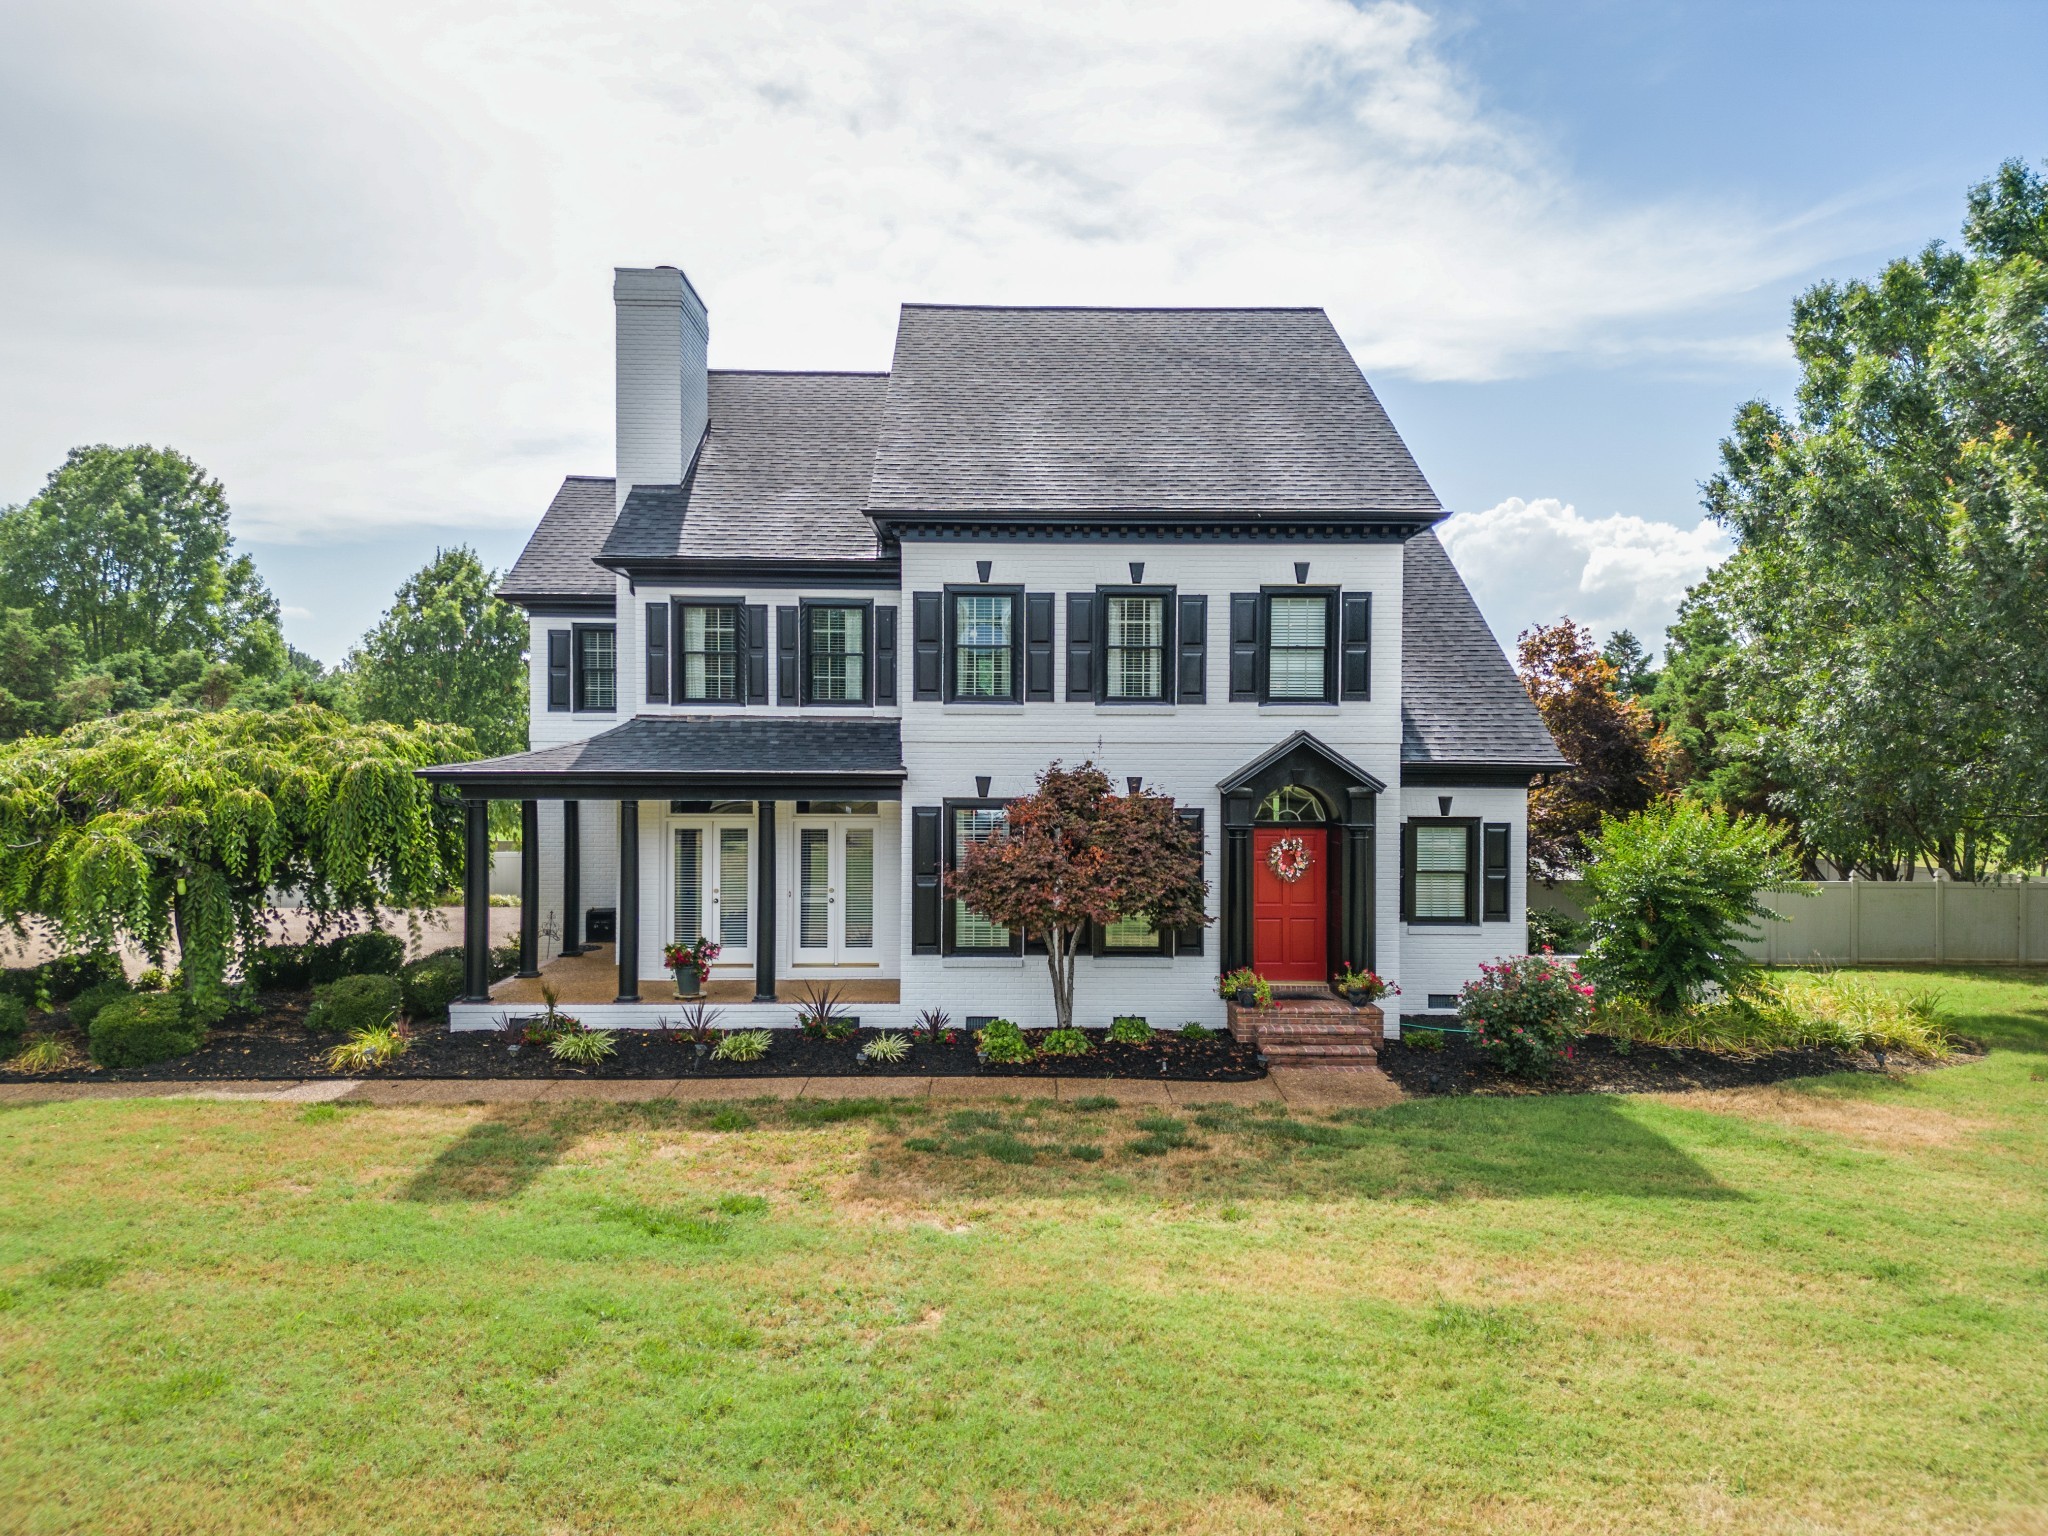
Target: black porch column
{"type": "Point", "coordinates": [766, 904]}
{"type": "Point", "coordinates": [529, 887]}
{"type": "Point", "coordinates": [1237, 882]}
{"type": "Point", "coordinates": [628, 918]}
{"type": "Point", "coordinates": [476, 901]}
{"type": "Point", "coordinates": [1361, 878]}
{"type": "Point", "coordinates": [572, 880]}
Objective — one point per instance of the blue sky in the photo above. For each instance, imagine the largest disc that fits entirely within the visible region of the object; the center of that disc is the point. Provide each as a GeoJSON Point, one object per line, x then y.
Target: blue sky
{"type": "Point", "coordinates": [354, 255]}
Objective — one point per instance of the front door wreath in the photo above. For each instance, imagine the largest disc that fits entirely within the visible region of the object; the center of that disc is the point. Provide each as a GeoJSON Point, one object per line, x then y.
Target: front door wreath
{"type": "Point", "coordinates": [1289, 858]}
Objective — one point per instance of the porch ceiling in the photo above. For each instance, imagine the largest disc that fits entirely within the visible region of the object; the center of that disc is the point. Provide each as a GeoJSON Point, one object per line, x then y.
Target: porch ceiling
{"type": "Point", "coordinates": [735, 756]}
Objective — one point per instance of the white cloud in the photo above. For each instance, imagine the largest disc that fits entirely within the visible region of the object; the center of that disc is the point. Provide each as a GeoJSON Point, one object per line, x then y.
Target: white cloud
{"type": "Point", "coordinates": [353, 254]}
{"type": "Point", "coordinates": [1533, 562]}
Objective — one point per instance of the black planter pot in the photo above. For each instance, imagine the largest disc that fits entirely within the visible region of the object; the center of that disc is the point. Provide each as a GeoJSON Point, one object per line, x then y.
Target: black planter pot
{"type": "Point", "coordinates": [1247, 997]}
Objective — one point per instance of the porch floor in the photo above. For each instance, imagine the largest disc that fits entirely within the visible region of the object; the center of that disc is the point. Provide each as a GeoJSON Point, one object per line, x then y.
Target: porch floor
{"type": "Point", "coordinates": [593, 977]}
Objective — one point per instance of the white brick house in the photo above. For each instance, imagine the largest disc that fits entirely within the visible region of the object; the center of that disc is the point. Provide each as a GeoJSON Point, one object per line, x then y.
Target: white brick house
{"type": "Point", "coordinates": [820, 626]}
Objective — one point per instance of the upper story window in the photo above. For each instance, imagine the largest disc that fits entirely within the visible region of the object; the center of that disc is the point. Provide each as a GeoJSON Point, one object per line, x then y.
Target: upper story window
{"type": "Point", "coordinates": [708, 653]}
{"type": "Point", "coordinates": [983, 625]}
{"type": "Point", "coordinates": [1134, 647]}
{"type": "Point", "coordinates": [835, 653]}
{"type": "Point", "coordinates": [1298, 647]}
{"type": "Point", "coordinates": [597, 667]}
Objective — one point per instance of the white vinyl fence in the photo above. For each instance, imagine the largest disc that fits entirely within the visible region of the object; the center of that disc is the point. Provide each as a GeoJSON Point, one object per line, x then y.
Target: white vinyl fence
{"type": "Point", "coordinates": [1884, 922]}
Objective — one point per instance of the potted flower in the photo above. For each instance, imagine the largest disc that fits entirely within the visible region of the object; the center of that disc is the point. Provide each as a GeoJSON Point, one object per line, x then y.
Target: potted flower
{"type": "Point", "coordinates": [690, 962]}
{"type": "Point", "coordinates": [1362, 987]}
{"type": "Point", "coordinates": [1247, 988]}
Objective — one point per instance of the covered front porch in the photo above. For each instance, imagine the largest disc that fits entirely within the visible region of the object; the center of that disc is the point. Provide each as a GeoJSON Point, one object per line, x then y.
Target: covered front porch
{"type": "Point", "coordinates": [777, 838]}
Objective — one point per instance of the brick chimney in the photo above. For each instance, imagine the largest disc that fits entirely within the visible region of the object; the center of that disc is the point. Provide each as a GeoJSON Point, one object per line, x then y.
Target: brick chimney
{"type": "Point", "coordinates": [662, 332]}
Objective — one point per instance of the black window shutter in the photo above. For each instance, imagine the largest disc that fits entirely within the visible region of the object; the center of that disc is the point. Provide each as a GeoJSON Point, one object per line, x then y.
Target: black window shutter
{"type": "Point", "coordinates": [1193, 679]}
{"type": "Point", "coordinates": [927, 643]}
{"type": "Point", "coordinates": [1407, 871]}
{"type": "Point", "coordinates": [1495, 909]}
{"type": "Point", "coordinates": [785, 655]}
{"type": "Point", "coordinates": [885, 655]}
{"type": "Point", "coordinates": [558, 669]}
{"type": "Point", "coordinates": [1188, 941]}
{"type": "Point", "coordinates": [1038, 647]}
{"type": "Point", "coordinates": [1357, 662]}
{"type": "Point", "coordinates": [757, 653]}
{"type": "Point", "coordinates": [657, 653]}
{"type": "Point", "coordinates": [1080, 645]}
{"type": "Point", "coordinates": [1244, 646]}
{"type": "Point", "coordinates": [925, 896]}
{"type": "Point", "coordinates": [1473, 881]}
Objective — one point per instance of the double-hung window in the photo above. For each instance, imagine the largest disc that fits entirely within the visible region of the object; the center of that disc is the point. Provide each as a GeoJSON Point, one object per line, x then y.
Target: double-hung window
{"type": "Point", "coordinates": [835, 653]}
{"type": "Point", "coordinates": [1298, 648]}
{"type": "Point", "coordinates": [972, 933]}
{"type": "Point", "coordinates": [984, 646]}
{"type": "Point", "coordinates": [597, 667]}
{"type": "Point", "coordinates": [707, 653]}
{"type": "Point", "coordinates": [1134, 647]}
{"type": "Point", "coordinates": [1441, 878]}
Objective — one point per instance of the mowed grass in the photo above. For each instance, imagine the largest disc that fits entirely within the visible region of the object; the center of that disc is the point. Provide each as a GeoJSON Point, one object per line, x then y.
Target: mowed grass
{"type": "Point", "coordinates": [1817, 1307]}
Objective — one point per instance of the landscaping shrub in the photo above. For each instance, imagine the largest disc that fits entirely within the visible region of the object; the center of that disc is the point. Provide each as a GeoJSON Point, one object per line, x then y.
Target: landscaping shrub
{"type": "Point", "coordinates": [279, 967]}
{"type": "Point", "coordinates": [1796, 1013]}
{"type": "Point", "coordinates": [741, 1045]}
{"type": "Point", "coordinates": [353, 1003]}
{"type": "Point", "coordinates": [1195, 1029]}
{"type": "Point", "coordinates": [372, 952]}
{"type": "Point", "coordinates": [1670, 893]}
{"type": "Point", "coordinates": [1558, 931]}
{"type": "Point", "coordinates": [1065, 1042]}
{"type": "Point", "coordinates": [68, 975]}
{"type": "Point", "coordinates": [429, 985]}
{"type": "Point", "coordinates": [583, 1047]}
{"type": "Point", "coordinates": [370, 1047]}
{"type": "Point", "coordinates": [144, 1027]}
{"type": "Point", "coordinates": [1524, 1013]}
{"type": "Point", "coordinates": [1002, 1041]}
{"type": "Point", "coordinates": [887, 1048]}
{"type": "Point", "coordinates": [40, 1053]}
{"type": "Point", "coordinates": [13, 1020]}
{"type": "Point", "coordinates": [1129, 1029]}
{"type": "Point", "coordinates": [87, 1005]}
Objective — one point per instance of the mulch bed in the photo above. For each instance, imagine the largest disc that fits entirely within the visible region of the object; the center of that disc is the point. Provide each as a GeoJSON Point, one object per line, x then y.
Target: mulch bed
{"type": "Point", "coordinates": [1596, 1066]}
{"type": "Point", "coordinates": [276, 1044]}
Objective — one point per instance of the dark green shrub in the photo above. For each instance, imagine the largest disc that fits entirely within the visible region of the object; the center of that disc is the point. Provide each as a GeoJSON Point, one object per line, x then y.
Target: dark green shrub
{"type": "Point", "coordinates": [1130, 1029]}
{"type": "Point", "coordinates": [68, 975]}
{"type": "Point", "coordinates": [87, 1005]}
{"type": "Point", "coordinates": [280, 967]}
{"type": "Point", "coordinates": [13, 1020]}
{"type": "Point", "coordinates": [24, 982]}
{"type": "Point", "coordinates": [1065, 1042]}
{"type": "Point", "coordinates": [354, 1002]}
{"type": "Point", "coordinates": [372, 952]}
{"type": "Point", "coordinates": [1671, 893]}
{"type": "Point", "coordinates": [1000, 1040]}
{"type": "Point", "coordinates": [428, 986]}
{"type": "Point", "coordinates": [1553, 930]}
{"type": "Point", "coordinates": [1195, 1029]}
{"type": "Point", "coordinates": [142, 1028]}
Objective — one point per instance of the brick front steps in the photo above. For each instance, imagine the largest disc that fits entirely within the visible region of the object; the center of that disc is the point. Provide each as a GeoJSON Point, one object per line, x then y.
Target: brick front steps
{"type": "Point", "coordinates": [1325, 1033]}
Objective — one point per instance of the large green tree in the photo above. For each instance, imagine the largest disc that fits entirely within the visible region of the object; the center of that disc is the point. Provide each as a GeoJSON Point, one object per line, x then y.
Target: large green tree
{"type": "Point", "coordinates": [448, 650]}
{"type": "Point", "coordinates": [129, 548]}
{"type": "Point", "coordinates": [179, 824]}
{"type": "Point", "coordinates": [1888, 599]}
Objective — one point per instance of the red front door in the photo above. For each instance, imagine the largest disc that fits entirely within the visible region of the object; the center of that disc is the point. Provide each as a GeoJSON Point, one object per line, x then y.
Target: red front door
{"type": "Point", "coordinates": [1290, 916]}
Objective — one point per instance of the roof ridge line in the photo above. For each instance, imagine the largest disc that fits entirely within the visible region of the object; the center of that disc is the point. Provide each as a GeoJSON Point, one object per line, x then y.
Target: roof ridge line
{"type": "Point", "coordinates": [1131, 309]}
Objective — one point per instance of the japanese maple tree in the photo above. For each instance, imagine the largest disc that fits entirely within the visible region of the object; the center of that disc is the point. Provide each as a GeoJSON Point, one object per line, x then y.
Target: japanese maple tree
{"type": "Point", "coordinates": [1073, 853]}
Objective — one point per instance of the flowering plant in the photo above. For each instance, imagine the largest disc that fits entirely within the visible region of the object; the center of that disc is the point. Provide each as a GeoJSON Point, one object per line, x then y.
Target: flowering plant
{"type": "Point", "coordinates": [1371, 983]}
{"type": "Point", "coordinates": [1525, 1013]}
{"type": "Point", "coordinates": [1245, 977]}
{"type": "Point", "coordinates": [700, 955]}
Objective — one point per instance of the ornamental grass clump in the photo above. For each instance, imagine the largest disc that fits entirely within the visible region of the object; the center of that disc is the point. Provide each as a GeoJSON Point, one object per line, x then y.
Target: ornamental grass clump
{"type": "Point", "coordinates": [742, 1045]}
{"type": "Point", "coordinates": [370, 1047]}
{"type": "Point", "coordinates": [580, 1047]}
{"type": "Point", "coordinates": [1524, 1013]}
{"type": "Point", "coordinates": [1839, 1013]}
{"type": "Point", "coordinates": [1671, 895]}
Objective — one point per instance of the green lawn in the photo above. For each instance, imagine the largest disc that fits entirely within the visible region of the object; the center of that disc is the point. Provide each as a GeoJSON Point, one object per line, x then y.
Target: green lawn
{"type": "Point", "coordinates": [1814, 1308]}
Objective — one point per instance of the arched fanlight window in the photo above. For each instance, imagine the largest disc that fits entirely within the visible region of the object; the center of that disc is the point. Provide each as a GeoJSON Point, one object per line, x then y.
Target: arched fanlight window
{"type": "Point", "coordinates": [1291, 804]}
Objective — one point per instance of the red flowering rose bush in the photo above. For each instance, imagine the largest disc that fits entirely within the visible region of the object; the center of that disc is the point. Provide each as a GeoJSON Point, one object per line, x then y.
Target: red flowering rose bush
{"type": "Point", "coordinates": [1524, 1013]}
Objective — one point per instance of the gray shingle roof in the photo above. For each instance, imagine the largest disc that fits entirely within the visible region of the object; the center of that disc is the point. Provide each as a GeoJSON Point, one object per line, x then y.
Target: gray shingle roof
{"type": "Point", "coordinates": [556, 562]}
{"type": "Point", "coordinates": [783, 475]}
{"type": "Point", "coordinates": [673, 749]}
{"type": "Point", "coordinates": [1097, 411]}
{"type": "Point", "coordinates": [1461, 702]}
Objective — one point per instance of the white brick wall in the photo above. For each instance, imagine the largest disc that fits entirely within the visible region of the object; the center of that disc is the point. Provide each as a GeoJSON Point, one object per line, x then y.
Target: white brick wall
{"type": "Point", "coordinates": [1442, 959]}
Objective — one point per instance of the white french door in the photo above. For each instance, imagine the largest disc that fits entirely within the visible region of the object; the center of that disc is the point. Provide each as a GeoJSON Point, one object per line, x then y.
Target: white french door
{"type": "Point", "coordinates": [835, 891]}
{"type": "Point", "coordinates": [711, 885]}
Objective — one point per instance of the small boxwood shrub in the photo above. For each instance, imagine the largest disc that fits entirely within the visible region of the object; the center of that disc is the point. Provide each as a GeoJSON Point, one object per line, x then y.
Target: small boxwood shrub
{"type": "Point", "coordinates": [372, 952]}
{"type": "Point", "coordinates": [13, 1020]}
{"type": "Point", "coordinates": [142, 1028]}
{"type": "Point", "coordinates": [428, 986]}
{"type": "Point", "coordinates": [68, 975]}
{"type": "Point", "coordinates": [87, 1005]}
{"type": "Point", "coordinates": [353, 1003]}
{"type": "Point", "coordinates": [280, 967]}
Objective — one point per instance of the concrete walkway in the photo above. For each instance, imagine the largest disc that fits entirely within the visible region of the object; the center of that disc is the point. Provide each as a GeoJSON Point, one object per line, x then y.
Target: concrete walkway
{"type": "Point", "coordinates": [1298, 1089]}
